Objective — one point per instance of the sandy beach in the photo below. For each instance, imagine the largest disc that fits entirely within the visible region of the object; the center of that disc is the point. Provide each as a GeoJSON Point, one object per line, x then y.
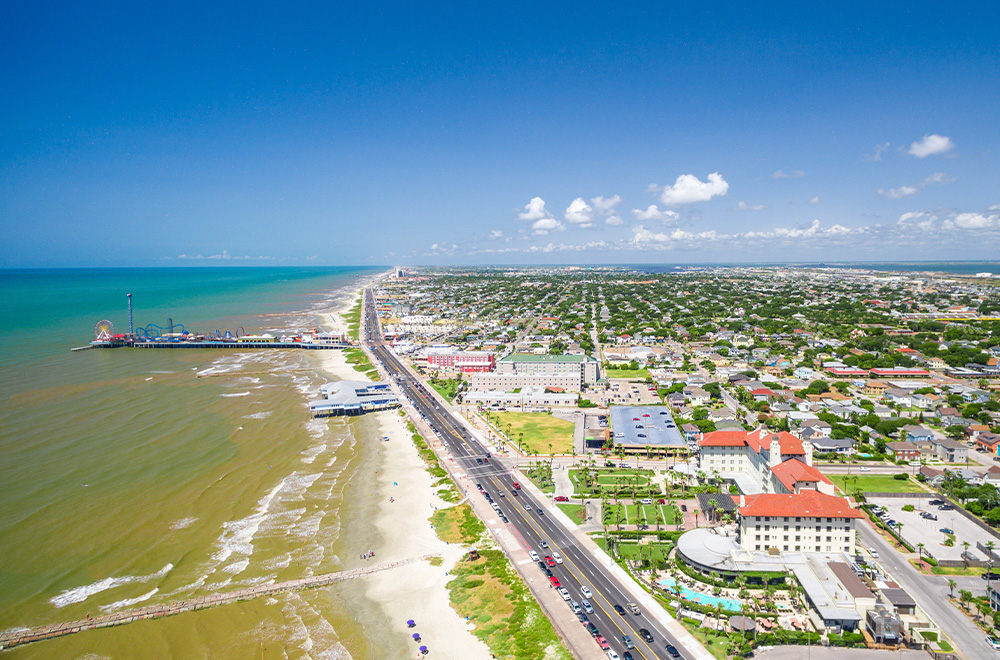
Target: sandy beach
{"type": "Point", "coordinates": [406, 496]}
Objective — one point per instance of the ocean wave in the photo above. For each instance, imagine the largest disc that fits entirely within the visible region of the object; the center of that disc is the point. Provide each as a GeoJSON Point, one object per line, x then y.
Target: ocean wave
{"type": "Point", "coordinates": [184, 523]}
{"type": "Point", "coordinates": [234, 394]}
{"type": "Point", "coordinates": [129, 602]}
{"type": "Point", "coordinates": [80, 594]}
{"type": "Point", "coordinates": [259, 415]}
{"type": "Point", "coordinates": [309, 454]}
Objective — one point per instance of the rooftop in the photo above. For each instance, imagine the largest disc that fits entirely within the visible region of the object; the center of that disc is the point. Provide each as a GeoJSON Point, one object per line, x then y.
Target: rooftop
{"type": "Point", "coordinates": [656, 423]}
{"type": "Point", "coordinates": [810, 504]}
{"type": "Point", "coordinates": [531, 357]}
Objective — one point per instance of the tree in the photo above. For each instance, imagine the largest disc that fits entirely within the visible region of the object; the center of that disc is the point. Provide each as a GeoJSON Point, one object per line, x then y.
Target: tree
{"type": "Point", "coordinates": [951, 587]}
{"type": "Point", "coordinates": [965, 553]}
{"type": "Point", "coordinates": [965, 596]}
{"type": "Point", "coordinates": [920, 551]}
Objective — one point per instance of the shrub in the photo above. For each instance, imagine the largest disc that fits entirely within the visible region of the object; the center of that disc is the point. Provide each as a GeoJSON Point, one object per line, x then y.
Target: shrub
{"type": "Point", "coordinates": [908, 507]}
{"type": "Point", "coordinates": [902, 476]}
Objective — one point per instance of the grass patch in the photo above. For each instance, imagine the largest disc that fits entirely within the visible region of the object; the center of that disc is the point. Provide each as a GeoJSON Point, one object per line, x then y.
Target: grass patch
{"type": "Point", "coordinates": [957, 570]}
{"type": "Point", "coordinates": [446, 388]}
{"type": "Point", "coordinates": [540, 430]}
{"type": "Point", "coordinates": [357, 359]}
{"type": "Point", "coordinates": [874, 483]}
{"type": "Point", "coordinates": [639, 551]}
{"type": "Point", "coordinates": [506, 616]}
{"type": "Point", "coordinates": [435, 561]}
{"type": "Point", "coordinates": [714, 641]}
{"type": "Point", "coordinates": [631, 374]}
{"type": "Point", "coordinates": [541, 476]}
{"type": "Point", "coordinates": [457, 524]}
{"type": "Point", "coordinates": [575, 512]}
{"type": "Point", "coordinates": [641, 514]}
{"type": "Point", "coordinates": [945, 646]}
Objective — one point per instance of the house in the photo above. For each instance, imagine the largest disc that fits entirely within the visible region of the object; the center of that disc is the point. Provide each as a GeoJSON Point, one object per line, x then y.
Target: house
{"type": "Point", "coordinates": [950, 451]}
{"type": "Point", "coordinates": [898, 397]}
{"type": "Point", "coordinates": [903, 450]}
{"type": "Point", "coordinates": [697, 396]}
{"type": "Point", "coordinates": [990, 442]}
{"type": "Point", "coordinates": [761, 394]}
{"type": "Point", "coordinates": [973, 431]}
{"type": "Point", "coordinates": [875, 388]}
{"type": "Point", "coordinates": [917, 434]}
{"type": "Point", "coordinates": [828, 445]}
{"type": "Point", "coordinates": [691, 433]}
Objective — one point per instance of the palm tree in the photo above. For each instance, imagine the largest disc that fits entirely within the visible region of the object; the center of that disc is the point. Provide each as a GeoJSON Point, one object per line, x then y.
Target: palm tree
{"type": "Point", "coordinates": [713, 506]}
{"type": "Point", "coordinates": [965, 596]}
{"type": "Point", "coordinates": [676, 588]}
{"type": "Point", "coordinates": [899, 531]}
{"type": "Point", "coordinates": [920, 551]}
{"type": "Point", "coordinates": [951, 587]}
{"type": "Point", "coordinates": [965, 553]}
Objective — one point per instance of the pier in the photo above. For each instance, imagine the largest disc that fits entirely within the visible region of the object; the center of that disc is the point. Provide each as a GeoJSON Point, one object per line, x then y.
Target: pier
{"type": "Point", "coordinates": [14, 638]}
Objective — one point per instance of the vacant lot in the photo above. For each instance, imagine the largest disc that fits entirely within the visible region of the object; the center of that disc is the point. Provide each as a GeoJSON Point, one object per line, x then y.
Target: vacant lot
{"type": "Point", "coordinates": [874, 483]}
{"type": "Point", "coordinates": [540, 430]}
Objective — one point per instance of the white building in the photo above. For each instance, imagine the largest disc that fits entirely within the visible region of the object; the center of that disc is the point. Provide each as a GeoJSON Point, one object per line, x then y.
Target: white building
{"type": "Point", "coordinates": [810, 521]}
{"type": "Point", "coordinates": [761, 461]}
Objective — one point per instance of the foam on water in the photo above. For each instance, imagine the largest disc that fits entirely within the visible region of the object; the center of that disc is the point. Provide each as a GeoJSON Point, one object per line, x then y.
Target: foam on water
{"type": "Point", "coordinates": [80, 594]}
{"type": "Point", "coordinates": [184, 523]}
{"type": "Point", "coordinates": [230, 395]}
{"type": "Point", "coordinates": [259, 415]}
{"type": "Point", "coordinates": [129, 602]}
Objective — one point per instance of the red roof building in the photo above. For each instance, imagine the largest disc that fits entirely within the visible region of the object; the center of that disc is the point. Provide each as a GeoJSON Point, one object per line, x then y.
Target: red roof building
{"type": "Point", "coordinates": [808, 504]}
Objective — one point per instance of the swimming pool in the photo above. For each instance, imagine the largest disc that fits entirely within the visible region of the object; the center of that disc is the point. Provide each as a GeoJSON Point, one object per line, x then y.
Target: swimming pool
{"type": "Point", "coordinates": [703, 599]}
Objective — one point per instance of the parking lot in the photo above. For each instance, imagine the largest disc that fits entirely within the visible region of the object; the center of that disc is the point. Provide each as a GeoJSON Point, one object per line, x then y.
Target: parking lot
{"type": "Point", "coordinates": [917, 529]}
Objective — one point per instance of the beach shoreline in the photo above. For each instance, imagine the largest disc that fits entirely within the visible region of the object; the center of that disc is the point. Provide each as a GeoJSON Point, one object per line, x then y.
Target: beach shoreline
{"type": "Point", "coordinates": [405, 498]}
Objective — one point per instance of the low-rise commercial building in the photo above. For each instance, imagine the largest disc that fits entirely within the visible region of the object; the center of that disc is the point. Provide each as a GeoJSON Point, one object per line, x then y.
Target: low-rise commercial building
{"type": "Point", "coordinates": [353, 397]}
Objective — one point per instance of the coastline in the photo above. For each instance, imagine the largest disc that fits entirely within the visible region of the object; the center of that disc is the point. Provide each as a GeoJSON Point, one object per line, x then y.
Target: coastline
{"type": "Point", "coordinates": [403, 529]}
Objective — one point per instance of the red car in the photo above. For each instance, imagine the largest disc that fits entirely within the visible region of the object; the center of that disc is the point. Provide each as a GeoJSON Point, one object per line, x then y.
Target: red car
{"type": "Point", "coordinates": [550, 561]}
{"type": "Point", "coordinates": [661, 501]}
{"type": "Point", "coordinates": [555, 582]}
{"type": "Point", "coordinates": [561, 498]}
{"type": "Point", "coordinates": [517, 486]}
{"type": "Point", "coordinates": [603, 643]}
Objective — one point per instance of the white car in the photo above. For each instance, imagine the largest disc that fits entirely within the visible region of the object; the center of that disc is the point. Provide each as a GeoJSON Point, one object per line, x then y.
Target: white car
{"type": "Point", "coordinates": [533, 555]}
{"type": "Point", "coordinates": [864, 469]}
{"type": "Point", "coordinates": [586, 592]}
{"type": "Point", "coordinates": [564, 593]}
{"type": "Point", "coordinates": [874, 552]}
{"type": "Point", "coordinates": [646, 501]}
{"type": "Point", "coordinates": [612, 655]}
{"type": "Point", "coordinates": [557, 557]}
{"type": "Point", "coordinates": [994, 643]}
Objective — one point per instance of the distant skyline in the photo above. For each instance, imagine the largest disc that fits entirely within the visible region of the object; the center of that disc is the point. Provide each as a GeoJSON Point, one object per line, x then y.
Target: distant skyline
{"type": "Point", "coordinates": [251, 134]}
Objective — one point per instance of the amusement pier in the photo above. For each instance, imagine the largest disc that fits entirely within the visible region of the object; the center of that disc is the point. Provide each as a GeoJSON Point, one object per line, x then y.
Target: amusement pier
{"type": "Point", "coordinates": [174, 335]}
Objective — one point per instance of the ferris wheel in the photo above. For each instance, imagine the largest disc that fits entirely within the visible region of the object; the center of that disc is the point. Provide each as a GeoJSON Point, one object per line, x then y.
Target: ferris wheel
{"type": "Point", "coordinates": [104, 329]}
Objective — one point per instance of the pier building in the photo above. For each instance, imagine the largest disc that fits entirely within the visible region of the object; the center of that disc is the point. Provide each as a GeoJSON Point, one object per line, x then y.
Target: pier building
{"type": "Point", "coordinates": [353, 397]}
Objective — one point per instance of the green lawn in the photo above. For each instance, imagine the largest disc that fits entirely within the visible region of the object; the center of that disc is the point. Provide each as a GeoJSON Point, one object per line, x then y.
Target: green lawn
{"type": "Point", "coordinates": [540, 430]}
{"type": "Point", "coordinates": [637, 514]}
{"type": "Point", "coordinates": [632, 374]}
{"type": "Point", "coordinates": [446, 388]}
{"type": "Point", "coordinates": [874, 483]}
{"type": "Point", "coordinates": [641, 551]}
{"type": "Point", "coordinates": [715, 641]}
{"type": "Point", "coordinates": [575, 512]}
{"type": "Point", "coordinates": [623, 479]}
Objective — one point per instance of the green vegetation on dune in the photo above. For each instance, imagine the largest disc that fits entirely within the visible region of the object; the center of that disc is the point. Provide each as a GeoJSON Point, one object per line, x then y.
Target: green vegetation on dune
{"type": "Point", "coordinates": [353, 318]}
{"type": "Point", "coordinates": [357, 359]}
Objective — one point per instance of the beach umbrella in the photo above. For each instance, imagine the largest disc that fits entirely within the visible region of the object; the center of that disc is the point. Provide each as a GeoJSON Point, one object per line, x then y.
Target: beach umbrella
{"type": "Point", "coordinates": [416, 635]}
{"type": "Point", "coordinates": [423, 649]}
{"type": "Point", "coordinates": [411, 623]}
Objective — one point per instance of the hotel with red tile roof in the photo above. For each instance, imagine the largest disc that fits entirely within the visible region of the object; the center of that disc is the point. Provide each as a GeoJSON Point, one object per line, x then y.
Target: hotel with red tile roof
{"type": "Point", "coordinates": [810, 521]}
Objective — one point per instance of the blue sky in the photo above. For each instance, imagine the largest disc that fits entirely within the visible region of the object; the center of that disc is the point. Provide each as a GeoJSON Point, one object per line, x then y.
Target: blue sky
{"type": "Point", "coordinates": [180, 134]}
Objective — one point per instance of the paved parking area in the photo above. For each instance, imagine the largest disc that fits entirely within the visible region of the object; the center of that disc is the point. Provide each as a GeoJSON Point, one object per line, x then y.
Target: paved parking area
{"type": "Point", "coordinates": [917, 529]}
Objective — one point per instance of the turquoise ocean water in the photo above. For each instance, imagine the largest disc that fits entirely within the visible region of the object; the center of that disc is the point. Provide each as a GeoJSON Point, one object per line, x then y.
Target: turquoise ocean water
{"type": "Point", "coordinates": [126, 479]}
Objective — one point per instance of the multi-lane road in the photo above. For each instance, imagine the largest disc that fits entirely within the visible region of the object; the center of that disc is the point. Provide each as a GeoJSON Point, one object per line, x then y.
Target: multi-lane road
{"type": "Point", "coordinates": [527, 519]}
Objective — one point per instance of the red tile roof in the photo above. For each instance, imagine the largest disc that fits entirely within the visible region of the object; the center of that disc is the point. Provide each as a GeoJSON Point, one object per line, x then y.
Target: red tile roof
{"type": "Point", "coordinates": [790, 445]}
{"type": "Point", "coordinates": [793, 470]}
{"type": "Point", "coordinates": [809, 504]}
{"type": "Point", "coordinates": [724, 439]}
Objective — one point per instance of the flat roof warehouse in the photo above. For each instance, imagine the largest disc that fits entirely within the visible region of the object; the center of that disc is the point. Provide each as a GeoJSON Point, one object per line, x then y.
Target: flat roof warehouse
{"type": "Point", "coordinates": [639, 427]}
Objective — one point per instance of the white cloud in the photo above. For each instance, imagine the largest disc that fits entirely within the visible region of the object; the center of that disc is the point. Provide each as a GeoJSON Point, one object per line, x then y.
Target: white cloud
{"type": "Point", "coordinates": [814, 200]}
{"type": "Point", "coordinates": [224, 256]}
{"type": "Point", "coordinates": [897, 193]}
{"type": "Point", "coordinates": [743, 206]}
{"type": "Point", "coordinates": [653, 212]}
{"type": "Point", "coordinates": [794, 174]}
{"type": "Point", "coordinates": [496, 233]}
{"type": "Point", "coordinates": [922, 220]}
{"type": "Point", "coordinates": [580, 213]}
{"type": "Point", "coordinates": [543, 226]}
{"type": "Point", "coordinates": [605, 205]}
{"type": "Point", "coordinates": [931, 145]}
{"type": "Point", "coordinates": [907, 191]}
{"type": "Point", "coordinates": [976, 221]}
{"type": "Point", "coordinates": [688, 189]}
{"type": "Point", "coordinates": [614, 220]}
{"type": "Point", "coordinates": [534, 210]}
{"type": "Point", "coordinates": [877, 156]}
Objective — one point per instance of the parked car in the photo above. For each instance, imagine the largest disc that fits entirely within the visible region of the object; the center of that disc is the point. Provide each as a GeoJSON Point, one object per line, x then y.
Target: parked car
{"type": "Point", "coordinates": [587, 607]}
{"type": "Point", "coordinates": [592, 629]}
{"type": "Point", "coordinates": [575, 606]}
{"type": "Point", "coordinates": [612, 655]}
{"type": "Point", "coordinates": [534, 555]}
{"type": "Point", "coordinates": [603, 643]}
{"type": "Point", "coordinates": [564, 593]}
{"type": "Point", "coordinates": [991, 576]}
{"type": "Point", "coordinates": [873, 552]}
{"type": "Point", "coordinates": [936, 502]}
{"type": "Point", "coordinates": [947, 530]}
{"type": "Point", "coordinates": [993, 643]}
{"type": "Point", "coordinates": [555, 582]}
{"type": "Point", "coordinates": [561, 498]}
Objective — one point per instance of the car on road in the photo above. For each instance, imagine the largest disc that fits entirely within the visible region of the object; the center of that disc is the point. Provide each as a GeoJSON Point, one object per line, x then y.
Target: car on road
{"type": "Point", "coordinates": [543, 544]}
{"type": "Point", "coordinates": [947, 530]}
{"type": "Point", "coordinates": [557, 557]}
{"type": "Point", "coordinates": [586, 592]}
{"type": "Point", "coordinates": [561, 498]}
{"type": "Point", "coordinates": [575, 606]}
{"type": "Point", "coordinates": [502, 494]}
{"type": "Point", "coordinates": [534, 555]}
{"type": "Point", "coordinates": [936, 502]}
{"type": "Point", "coordinates": [627, 641]}
{"type": "Point", "coordinates": [873, 552]}
{"type": "Point", "coordinates": [540, 512]}
{"type": "Point", "coordinates": [619, 609]}
{"type": "Point", "coordinates": [991, 576]}
{"type": "Point", "coordinates": [479, 461]}
{"type": "Point", "coordinates": [564, 593]}
{"type": "Point", "coordinates": [587, 607]}
{"type": "Point", "coordinates": [549, 561]}
{"type": "Point", "coordinates": [646, 635]}
{"type": "Point", "coordinates": [527, 507]}
{"type": "Point", "coordinates": [592, 629]}
{"type": "Point", "coordinates": [994, 643]}
{"type": "Point", "coordinates": [661, 501]}
{"type": "Point", "coordinates": [864, 468]}
{"type": "Point", "coordinates": [583, 618]}
{"type": "Point", "coordinates": [603, 643]}
{"type": "Point", "coordinates": [646, 501]}
{"type": "Point", "coordinates": [517, 486]}
{"type": "Point", "coordinates": [633, 608]}
{"type": "Point", "coordinates": [554, 581]}
{"type": "Point", "coordinates": [612, 655]}
{"type": "Point", "coordinates": [627, 655]}
{"type": "Point", "coordinates": [672, 650]}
